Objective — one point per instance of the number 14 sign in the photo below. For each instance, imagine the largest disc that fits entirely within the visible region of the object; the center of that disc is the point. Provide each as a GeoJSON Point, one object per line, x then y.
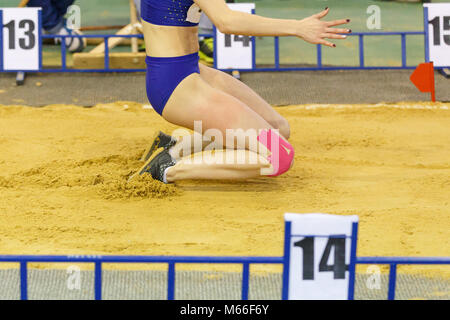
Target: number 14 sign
{"type": "Point", "coordinates": [235, 51]}
{"type": "Point", "coordinates": [320, 256]}
{"type": "Point", "coordinates": [20, 43]}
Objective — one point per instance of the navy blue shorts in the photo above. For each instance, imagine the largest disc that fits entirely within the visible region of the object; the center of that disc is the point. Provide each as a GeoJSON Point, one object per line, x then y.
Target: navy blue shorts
{"type": "Point", "coordinates": [165, 74]}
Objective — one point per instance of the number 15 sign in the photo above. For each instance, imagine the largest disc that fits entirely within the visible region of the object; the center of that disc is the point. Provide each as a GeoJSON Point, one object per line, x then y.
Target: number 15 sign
{"type": "Point", "coordinates": [320, 256]}
{"type": "Point", "coordinates": [20, 43]}
{"type": "Point", "coordinates": [437, 31]}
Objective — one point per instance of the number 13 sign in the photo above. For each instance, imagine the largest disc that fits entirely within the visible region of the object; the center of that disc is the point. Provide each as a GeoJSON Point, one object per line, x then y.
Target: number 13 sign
{"type": "Point", "coordinates": [437, 30]}
{"type": "Point", "coordinates": [321, 251]}
{"type": "Point", "coordinates": [20, 43]}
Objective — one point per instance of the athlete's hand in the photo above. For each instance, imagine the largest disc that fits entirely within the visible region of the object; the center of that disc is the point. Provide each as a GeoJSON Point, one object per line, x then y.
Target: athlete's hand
{"type": "Point", "coordinates": [314, 30]}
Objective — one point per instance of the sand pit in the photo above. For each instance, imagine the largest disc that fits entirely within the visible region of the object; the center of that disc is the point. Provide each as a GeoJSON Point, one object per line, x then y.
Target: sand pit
{"type": "Point", "coordinates": [63, 190]}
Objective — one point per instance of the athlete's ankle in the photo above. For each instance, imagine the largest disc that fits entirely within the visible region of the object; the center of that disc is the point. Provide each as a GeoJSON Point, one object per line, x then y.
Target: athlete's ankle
{"type": "Point", "coordinates": [169, 175]}
{"type": "Point", "coordinates": [175, 151]}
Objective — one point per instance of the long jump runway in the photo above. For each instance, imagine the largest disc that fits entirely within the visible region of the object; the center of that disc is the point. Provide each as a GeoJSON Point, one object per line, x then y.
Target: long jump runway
{"type": "Point", "coordinates": [278, 88]}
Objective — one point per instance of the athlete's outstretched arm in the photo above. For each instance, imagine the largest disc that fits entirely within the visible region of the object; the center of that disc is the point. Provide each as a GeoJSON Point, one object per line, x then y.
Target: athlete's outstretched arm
{"type": "Point", "coordinates": [311, 29]}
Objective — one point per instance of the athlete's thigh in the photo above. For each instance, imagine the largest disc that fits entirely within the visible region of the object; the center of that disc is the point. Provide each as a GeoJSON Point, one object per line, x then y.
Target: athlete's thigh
{"type": "Point", "coordinates": [195, 100]}
{"type": "Point", "coordinates": [226, 83]}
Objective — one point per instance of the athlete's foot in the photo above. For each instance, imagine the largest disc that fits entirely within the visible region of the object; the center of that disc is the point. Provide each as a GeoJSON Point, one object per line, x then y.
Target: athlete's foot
{"type": "Point", "coordinates": [156, 166]}
{"type": "Point", "coordinates": [160, 140]}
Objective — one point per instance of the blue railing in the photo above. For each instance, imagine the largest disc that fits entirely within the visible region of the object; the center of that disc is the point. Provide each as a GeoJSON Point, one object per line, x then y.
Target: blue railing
{"type": "Point", "coordinates": [393, 262]}
{"type": "Point", "coordinates": [105, 38]}
{"type": "Point", "coordinates": [106, 67]}
{"type": "Point", "coordinates": [361, 50]}
{"type": "Point", "coordinates": [277, 64]}
{"type": "Point", "coordinates": [171, 261]}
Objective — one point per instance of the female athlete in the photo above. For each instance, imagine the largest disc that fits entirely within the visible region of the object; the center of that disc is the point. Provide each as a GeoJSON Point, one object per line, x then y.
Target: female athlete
{"type": "Point", "coordinates": [184, 92]}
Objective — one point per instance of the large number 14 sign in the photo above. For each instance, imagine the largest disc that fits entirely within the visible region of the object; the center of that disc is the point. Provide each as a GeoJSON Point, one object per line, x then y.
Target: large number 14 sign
{"type": "Point", "coordinates": [20, 43]}
{"type": "Point", "coordinates": [437, 29]}
{"type": "Point", "coordinates": [321, 256]}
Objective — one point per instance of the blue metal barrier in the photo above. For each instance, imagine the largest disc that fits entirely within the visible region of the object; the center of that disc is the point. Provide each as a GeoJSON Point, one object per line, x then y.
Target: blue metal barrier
{"type": "Point", "coordinates": [106, 38]}
{"type": "Point", "coordinates": [98, 261]}
{"type": "Point", "coordinates": [277, 65]}
{"type": "Point", "coordinates": [393, 262]}
{"type": "Point", "coordinates": [170, 260]}
{"type": "Point", "coordinates": [106, 67]}
{"type": "Point", "coordinates": [362, 65]}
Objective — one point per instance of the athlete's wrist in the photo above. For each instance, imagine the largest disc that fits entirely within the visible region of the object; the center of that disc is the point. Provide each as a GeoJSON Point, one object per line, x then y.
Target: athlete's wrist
{"type": "Point", "coordinates": [299, 29]}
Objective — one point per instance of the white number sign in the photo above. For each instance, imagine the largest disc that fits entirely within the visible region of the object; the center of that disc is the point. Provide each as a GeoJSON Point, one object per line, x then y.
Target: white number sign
{"type": "Point", "coordinates": [437, 27]}
{"type": "Point", "coordinates": [234, 51]}
{"type": "Point", "coordinates": [320, 247]}
{"type": "Point", "coordinates": [20, 39]}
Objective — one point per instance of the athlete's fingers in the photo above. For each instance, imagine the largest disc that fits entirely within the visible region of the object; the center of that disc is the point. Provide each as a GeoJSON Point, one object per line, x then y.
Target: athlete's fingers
{"type": "Point", "coordinates": [338, 30]}
{"type": "Point", "coordinates": [327, 43]}
{"type": "Point", "coordinates": [337, 22]}
{"type": "Point", "coordinates": [333, 36]}
{"type": "Point", "coordinates": [322, 14]}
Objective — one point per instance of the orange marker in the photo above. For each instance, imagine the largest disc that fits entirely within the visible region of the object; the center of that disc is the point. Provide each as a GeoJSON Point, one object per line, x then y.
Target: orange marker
{"type": "Point", "coordinates": [423, 79]}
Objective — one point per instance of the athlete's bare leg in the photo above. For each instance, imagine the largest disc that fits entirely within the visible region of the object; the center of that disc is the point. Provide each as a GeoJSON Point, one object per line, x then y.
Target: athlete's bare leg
{"type": "Point", "coordinates": [195, 100]}
{"type": "Point", "coordinates": [197, 167]}
{"type": "Point", "coordinates": [228, 84]}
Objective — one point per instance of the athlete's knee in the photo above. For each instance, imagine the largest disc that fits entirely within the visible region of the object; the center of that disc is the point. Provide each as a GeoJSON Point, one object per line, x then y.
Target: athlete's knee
{"type": "Point", "coordinates": [281, 151]}
{"type": "Point", "coordinates": [283, 126]}
{"type": "Point", "coordinates": [285, 129]}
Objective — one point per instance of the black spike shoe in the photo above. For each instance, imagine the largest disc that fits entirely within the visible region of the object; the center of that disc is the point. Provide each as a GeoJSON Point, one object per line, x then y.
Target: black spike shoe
{"type": "Point", "coordinates": [156, 165]}
{"type": "Point", "coordinates": [160, 140]}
